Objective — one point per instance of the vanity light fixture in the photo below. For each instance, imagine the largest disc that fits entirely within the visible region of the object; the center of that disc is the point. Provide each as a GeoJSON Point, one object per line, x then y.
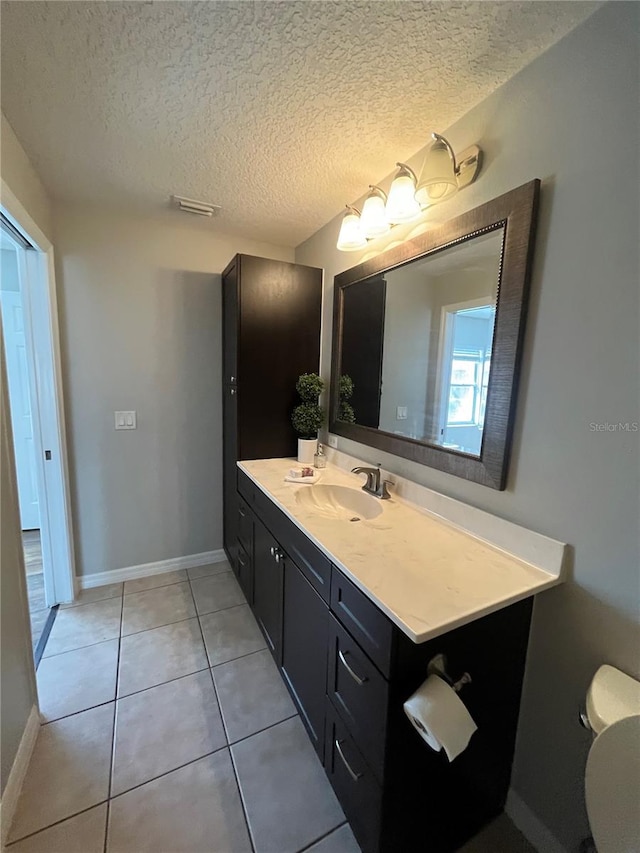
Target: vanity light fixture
{"type": "Point", "coordinates": [401, 204]}
{"type": "Point", "coordinates": [441, 175]}
{"type": "Point", "coordinates": [373, 219]}
{"type": "Point", "coordinates": [351, 237]}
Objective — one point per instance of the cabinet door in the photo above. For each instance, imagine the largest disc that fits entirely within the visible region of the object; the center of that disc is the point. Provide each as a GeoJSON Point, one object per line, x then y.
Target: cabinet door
{"type": "Point", "coordinates": [230, 319]}
{"type": "Point", "coordinates": [267, 587]}
{"type": "Point", "coordinates": [304, 650]}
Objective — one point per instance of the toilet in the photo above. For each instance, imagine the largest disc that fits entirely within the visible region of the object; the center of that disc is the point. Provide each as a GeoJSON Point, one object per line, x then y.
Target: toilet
{"type": "Point", "coordinates": [612, 778]}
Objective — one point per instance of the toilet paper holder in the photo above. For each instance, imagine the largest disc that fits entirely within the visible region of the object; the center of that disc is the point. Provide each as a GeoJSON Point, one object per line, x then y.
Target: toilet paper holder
{"type": "Point", "coordinates": [438, 666]}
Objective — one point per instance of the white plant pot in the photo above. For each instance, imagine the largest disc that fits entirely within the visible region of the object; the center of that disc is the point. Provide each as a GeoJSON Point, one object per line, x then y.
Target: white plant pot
{"type": "Point", "coordinates": [306, 450]}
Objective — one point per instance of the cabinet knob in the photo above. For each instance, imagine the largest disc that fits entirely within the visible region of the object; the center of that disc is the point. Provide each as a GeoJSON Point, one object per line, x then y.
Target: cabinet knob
{"type": "Point", "coordinates": [233, 391]}
{"type": "Point", "coordinates": [233, 379]}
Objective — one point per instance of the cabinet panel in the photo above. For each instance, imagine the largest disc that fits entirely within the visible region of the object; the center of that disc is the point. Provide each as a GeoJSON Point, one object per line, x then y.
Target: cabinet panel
{"type": "Point", "coordinates": [229, 474]}
{"type": "Point", "coordinates": [354, 783]}
{"type": "Point", "coordinates": [245, 525]}
{"type": "Point", "coordinates": [244, 571]}
{"type": "Point", "coordinates": [359, 693]}
{"type": "Point", "coordinates": [304, 651]}
{"type": "Point", "coordinates": [267, 587]}
{"type": "Point", "coordinates": [363, 620]}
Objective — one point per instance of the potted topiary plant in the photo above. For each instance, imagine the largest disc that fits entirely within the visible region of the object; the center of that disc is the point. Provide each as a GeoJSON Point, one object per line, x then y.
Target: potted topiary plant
{"type": "Point", "coordinates": [345, 392]}
{"type": "Point", "coordinates": [308, 417]}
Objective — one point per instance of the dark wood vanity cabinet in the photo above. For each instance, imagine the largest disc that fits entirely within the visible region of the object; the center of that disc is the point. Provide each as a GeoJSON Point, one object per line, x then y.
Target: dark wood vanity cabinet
{"type": "Point", "coordinates": [349, 670]}
{"type": "Point", "coordinates": [271, 314]}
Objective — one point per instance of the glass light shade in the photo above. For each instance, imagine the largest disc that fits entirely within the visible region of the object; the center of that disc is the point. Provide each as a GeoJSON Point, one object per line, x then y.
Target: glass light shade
{"type": "Point", "coordinates": [401, 204]}
{"type": "Point", "coordinates": [438, 179]}
{"type": "Point", "coordinates": [373, 219]}
{"type": "Point", "coordinates": [351, 238]}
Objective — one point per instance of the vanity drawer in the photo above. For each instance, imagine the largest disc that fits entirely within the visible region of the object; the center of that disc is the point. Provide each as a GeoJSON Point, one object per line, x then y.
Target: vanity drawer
{"type": "Point", "coordinates": [353, 781]}
{"type": "Point", "coordinates": [363, 620]}
{"type": "Point", "coordinates": [245, 525]}
{"type": "Point", "coordinates": [360, 695]}
{"type": "Point", "coordinates": [310, 560]}
{"type": "Point", "coordinates": [246, 487]}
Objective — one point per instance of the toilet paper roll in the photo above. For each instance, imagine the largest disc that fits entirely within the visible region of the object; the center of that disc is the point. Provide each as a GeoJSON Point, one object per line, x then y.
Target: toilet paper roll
{"type": "Point", "coordinates": [440, 717]}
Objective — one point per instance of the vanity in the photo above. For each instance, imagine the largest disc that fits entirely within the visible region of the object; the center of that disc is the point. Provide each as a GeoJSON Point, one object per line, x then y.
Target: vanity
{"type": "Point", "coordinates": [353, 612]}
{"type": "Point", "coordinates": [361, 598]}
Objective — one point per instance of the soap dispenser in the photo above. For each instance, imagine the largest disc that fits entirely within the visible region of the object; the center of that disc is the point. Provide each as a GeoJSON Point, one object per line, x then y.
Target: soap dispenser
{"type": "Point", "coordinates": [319, 459]}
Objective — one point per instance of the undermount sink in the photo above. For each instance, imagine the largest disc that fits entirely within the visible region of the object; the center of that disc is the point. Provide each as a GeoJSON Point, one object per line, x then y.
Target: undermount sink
{"type": "Point", "coordinates": [340, 502]}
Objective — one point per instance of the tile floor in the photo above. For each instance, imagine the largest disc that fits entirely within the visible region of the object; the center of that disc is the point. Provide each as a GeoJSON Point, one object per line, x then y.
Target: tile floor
{"type": "Point", "coordinates": [168, 730]}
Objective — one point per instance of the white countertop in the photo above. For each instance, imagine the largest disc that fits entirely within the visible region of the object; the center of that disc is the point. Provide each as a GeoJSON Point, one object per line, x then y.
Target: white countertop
{"type": "Point", "coordinates": [427, 574]}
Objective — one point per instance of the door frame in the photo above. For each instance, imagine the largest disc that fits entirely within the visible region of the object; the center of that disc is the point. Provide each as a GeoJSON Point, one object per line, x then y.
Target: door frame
{"type": "Point", "coordinates": [40, 306]}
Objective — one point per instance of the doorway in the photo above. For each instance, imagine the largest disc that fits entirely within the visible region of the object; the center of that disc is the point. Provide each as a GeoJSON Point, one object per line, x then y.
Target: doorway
{"type": "Point", "coordinates": [29, 331]}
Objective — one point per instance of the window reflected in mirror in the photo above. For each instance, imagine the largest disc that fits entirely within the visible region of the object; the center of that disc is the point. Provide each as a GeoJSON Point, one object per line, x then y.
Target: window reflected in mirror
{"type": "Point", "coordinates": [417, 343]}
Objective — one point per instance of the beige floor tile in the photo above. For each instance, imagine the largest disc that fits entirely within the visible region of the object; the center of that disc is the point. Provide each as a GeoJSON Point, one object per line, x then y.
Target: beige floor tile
{"type": "Point", "coordinates": [68, 772]}
{"type": "Point", "coordinates": [77, 680]}
{"type": "Point", "coordinates": [229, 634]}
{"type": "Point", "coordinates": [163, 728]}
{"type": "Point", "coordinates": [192, 810]}
{"type": "Point", "coordinates": [155, 656]}
{"type": "Point", "coordinates": [288, 798]}
{"type": "Point", "coordinates": [83, 626]}
{"type": "Point", "coordinates": [252, 694]}
{"type": "Point", "coordinates": [154, 581]}
{"type": "Point", "coordinates": [156, 607]}
{"type": "Point", "coordinates": [84, 833]}
{"type": "Point", "coordinates": [96, 593]}
{"type": "Point", "coordinates": [341, 840]}
{"type": "Point", "coordinates": [217, 593]}
{"type": "Point", "coordinates": [208, 571]}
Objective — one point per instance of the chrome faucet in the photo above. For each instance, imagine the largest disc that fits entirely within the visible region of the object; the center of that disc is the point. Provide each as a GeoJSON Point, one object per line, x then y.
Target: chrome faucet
{"type": "Point", "coordinates": [374, 486]}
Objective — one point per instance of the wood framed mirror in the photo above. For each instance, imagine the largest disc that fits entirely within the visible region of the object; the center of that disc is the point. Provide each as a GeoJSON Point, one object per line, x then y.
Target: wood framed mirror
{"type": "Point", "coordinates": [427, 341]}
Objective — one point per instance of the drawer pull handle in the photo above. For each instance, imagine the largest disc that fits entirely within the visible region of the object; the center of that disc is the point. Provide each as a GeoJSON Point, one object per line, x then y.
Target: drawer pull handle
{"type": "Point", "coordinates": [359, 681]}
{"type": "Point", "coordinates": [355, 776]}
{"type": "Point", "coordinates": [241, 512]}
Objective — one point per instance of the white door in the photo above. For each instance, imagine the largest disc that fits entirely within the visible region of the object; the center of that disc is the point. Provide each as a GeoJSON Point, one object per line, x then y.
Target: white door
{"type": "Point", "coordinates": [20, 403]}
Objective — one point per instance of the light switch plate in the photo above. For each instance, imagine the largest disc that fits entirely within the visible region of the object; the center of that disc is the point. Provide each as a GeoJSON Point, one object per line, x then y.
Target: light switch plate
{"type": "Point", "coordinates": [401, 413]}
{"type": "Point", "coordinates": [125, 420]}
{"type": "Point", "coordinates": [333, 440]}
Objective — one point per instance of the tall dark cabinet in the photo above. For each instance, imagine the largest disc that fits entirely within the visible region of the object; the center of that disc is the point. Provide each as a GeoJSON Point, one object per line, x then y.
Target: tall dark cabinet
{"type": "Point", "coordinates": [271, 314]}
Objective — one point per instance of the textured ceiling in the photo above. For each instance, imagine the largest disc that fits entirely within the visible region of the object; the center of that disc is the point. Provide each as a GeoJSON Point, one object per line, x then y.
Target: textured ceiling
{"type": "Point", "coordinates": [279, 111]}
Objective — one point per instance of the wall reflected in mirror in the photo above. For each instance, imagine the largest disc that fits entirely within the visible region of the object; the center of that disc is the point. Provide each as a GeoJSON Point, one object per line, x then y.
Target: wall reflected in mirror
{"type": "Point", "coordinates": [417, 344]}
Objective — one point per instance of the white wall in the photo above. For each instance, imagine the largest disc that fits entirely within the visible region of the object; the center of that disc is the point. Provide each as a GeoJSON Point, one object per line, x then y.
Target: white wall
{"type": "Point", "coordinates": [18, 686]}
{"type": "Point", "coordinates": [20, 176]}
{"type": "Point", "coordinates": [140, 310]}
{"type": "Point", "coordinates": [570, 118]}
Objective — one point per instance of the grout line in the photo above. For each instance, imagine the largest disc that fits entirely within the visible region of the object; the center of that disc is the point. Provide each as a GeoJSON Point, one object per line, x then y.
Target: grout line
{"type": "Point", "coordinates": [73, 605]}
{"type": "Point", "coordinates": [160, 683]}
{"type": "Point", "coordinates": [75, 713]}
{"type": "Point", "coordinates": [226, 733]}
{"type": "Point", "coordinates": [168, 772]}
{"type": "Point", "coordinates": [245, 655]}
{"type": "Point", "coordinates": [56, 823]}
{"type": "Point", "coordinates": [77, 648]}
{"type": "Point", "coordinates": [322, 837]}
{"type": "Point", "coordinates": [113, 731]}
{"type": "Point", "coordinates": [265, 729]}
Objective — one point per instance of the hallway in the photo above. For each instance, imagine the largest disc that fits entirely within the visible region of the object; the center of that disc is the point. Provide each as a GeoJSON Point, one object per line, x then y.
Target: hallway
{"type": "Point", "coordinates": [39, 613]}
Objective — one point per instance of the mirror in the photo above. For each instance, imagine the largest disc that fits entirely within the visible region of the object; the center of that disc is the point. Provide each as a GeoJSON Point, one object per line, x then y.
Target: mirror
{"type": "Point", "coordinates": [427, 337]}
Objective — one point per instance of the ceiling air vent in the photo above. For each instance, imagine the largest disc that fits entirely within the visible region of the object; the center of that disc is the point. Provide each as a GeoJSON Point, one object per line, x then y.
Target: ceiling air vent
{"type": "Point", "coordinates": [190, 205]}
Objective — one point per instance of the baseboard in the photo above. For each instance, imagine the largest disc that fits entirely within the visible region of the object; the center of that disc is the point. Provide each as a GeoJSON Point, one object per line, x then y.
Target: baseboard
{"type": "Point", "coordinates": [531, 826]}
{"type": "Point", "coordinates": [18, 772]}
{"type": "Point", "coordinates": [130, 573]}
